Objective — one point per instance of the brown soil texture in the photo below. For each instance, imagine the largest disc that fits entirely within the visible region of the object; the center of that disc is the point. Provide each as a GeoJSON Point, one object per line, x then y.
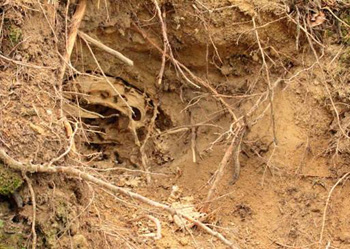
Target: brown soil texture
{"type": "Point", "coordinates": [280, 66]}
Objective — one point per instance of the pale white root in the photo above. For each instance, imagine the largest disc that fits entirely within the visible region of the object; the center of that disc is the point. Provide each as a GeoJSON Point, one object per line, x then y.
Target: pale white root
{"type": "Point", "coordinates": [102, 46]}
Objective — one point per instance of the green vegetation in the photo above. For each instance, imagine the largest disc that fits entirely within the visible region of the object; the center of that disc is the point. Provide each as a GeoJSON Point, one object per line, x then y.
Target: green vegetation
{"type": "Point", "coordinates": [9, 180]}
{"type": "Point", "coordinates": [15, 34]}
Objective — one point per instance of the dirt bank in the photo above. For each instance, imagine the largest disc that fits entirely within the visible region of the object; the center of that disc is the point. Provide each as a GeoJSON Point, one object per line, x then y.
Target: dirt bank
{"type": "Point", "coordinates": [267, 77]}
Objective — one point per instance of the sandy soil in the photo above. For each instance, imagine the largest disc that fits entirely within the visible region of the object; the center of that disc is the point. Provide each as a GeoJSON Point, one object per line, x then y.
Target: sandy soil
{"type": "Point", "coordinates": [291, 160]}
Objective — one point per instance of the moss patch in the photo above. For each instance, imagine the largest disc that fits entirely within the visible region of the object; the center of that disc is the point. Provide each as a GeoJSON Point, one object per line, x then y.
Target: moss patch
{"type": "Point", "coordinates": [9, 180]}
{"type": "Point", "coordinates": [10, 240]}
{"type": "Point", "coordinates": [15, 34]}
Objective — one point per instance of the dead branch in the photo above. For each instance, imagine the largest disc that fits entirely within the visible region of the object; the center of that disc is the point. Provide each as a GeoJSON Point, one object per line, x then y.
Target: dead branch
{"type": "Point", "coordinates": [166, 44]}
{"type": "Point", "coordinates": [193, 130]}
{"type": "Point", "coordinates": [144, 158]}
{"type": "Point", "coordinates": [100, 45]}
{"type": "Point", "coordinates": [193, 144]}
{"type": "Point", "coordinates": [76, 20]}
{"type": "Point", "coordinates": [326, 207]}
{"type": "Point", "coordinates": [220, 171]}
{"type": "Point", "coordinates": [75, 24]}
{"type": "Point", "coordinates": [170, 56]}
{"type": "Point", "coordinates": [25, 64]}
{"type": "Point", "coordinates": [183, 69]}
{"type": "Point", "coordinates": [236, 163]}
{"type": "Point", "coordinates": [158, 225]}
{"type": "Point", "coordinates": [70, 134]}
{"type": "Point", "coordinates": [69, 171]}
{"type": "Point", "coordinates": [156, 221]}
{"type": "Point", "coordinates": [32, 193]}
{"type": "Point", "coordinates": [70, 147]}
{"type": "Point", "coordinates": [270, 88]}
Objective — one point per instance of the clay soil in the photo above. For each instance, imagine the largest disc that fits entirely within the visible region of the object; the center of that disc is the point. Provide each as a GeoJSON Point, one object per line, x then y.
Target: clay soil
{"type": "Point", "coordinates": [279, 66]}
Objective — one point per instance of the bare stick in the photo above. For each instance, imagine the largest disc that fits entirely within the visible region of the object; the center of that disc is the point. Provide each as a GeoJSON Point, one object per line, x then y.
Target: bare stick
{"type": "Point", "coordinates": [183, 69]}
{"type": "Point", "coordinates": [158, 225]}
{"type": "Point", "coordinates": [106, 78]}
{"type": "Point", "coordinates": [156, 221]}
{"type": "Point", "coordinates": [236, 153]}
{"type": "Point", "coordinates": [100, 45]}
{"type": "Point", "coordinates": [336, 17]}
{"type": "Point", "coordinates": [32, 193]}
{"type": "Point", "coordinates": [75, 24]}
{"type": "Point", "coordinates": [193, 144]}
{"type": "Point", "coordinates": [193, 138]}
{"type": "Point", "coordinates": [70, 147]}
{"type": "Point", "coordinates": [70, 134]}
{"type": "Point", "coordinates": [326, 206]}
{"type": "Point", "coordinates": [69, 171]}
{"type": "Point", "coordinates": [166, 43]}
{"type": "Point", "coordinates": [268, 82]}
{"type": "Point", "coordinates": [144, 158]}
{"type": "Point", "coordinates": [220, 172]}
{"type": "Point", "coordinates": [70, 41]}
{"type": "Point", "coordinates": [25, 64]}
{"type": "Point", "coordinates": [167, 51]}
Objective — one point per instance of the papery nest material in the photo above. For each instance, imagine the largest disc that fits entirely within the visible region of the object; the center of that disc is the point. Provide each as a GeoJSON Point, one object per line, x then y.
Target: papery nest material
{"type": "Point", "coordinates": [317, 19]}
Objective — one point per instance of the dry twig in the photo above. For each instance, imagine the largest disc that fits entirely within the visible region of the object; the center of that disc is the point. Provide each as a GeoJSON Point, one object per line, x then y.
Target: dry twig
{"type": "Point", "coordinates": [326, 207]}
{"type": "Point", "coordinates": [137, 141]}
{"type": "Point", "coordinates": [183, 69]}
{"type": "Point", "coordinates": [32, 194]}
{"type": "Point", "coordinates": [167, 51]}
{"type": "Point", "coordinates": [100, 45]}
{"type": "Point", "coordinates": [25, 64]}
{"type": "Point", "coordinates": [166, 44]}
{"type": "Point", "coordinates": [144, 158]}
{"type": "Point", "coordinates": [75, 24]}
{"type": "Point", "coordinates": [193, 144]}
{"type": "Point", "coordinates": [71, 144]}
{"type": "Point", "coordinates": [156, 221]}
{"type": "Point", "coordinates": [270, 88]}
{"type": "Point", "coordinates": [234, 145]}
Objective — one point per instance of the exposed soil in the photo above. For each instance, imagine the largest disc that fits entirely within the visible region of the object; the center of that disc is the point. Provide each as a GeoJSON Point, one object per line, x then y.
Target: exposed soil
{"type": "Point", "coordinates": [291, 158]}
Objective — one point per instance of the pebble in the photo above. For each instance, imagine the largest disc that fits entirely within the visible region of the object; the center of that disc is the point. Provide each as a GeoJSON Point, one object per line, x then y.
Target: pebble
{"type": "Point", "coordinates": [184, 241]}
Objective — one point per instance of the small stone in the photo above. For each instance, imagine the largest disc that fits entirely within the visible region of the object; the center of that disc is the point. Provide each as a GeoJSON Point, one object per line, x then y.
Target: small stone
{"type": "Point", "coordinates": [18, 57]}
{"type": "Point", "coordinates": [74, 228]}
{"type": "Point", "coordinates": [80, 242]}
{"type": "Point", "coordinates": [184, 241]}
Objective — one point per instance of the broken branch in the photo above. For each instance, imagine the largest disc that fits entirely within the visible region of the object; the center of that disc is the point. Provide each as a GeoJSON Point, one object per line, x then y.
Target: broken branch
{"type": "Point", "coordinates": [235, 144]}
{"type": "Point", "coordinates": [100, 45]}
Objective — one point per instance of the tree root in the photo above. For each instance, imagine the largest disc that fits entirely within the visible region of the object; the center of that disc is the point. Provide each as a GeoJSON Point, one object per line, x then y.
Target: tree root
{"type": "Point", "coordinates": [32, 193]}
{"type": "Point", "coordinates": [233, 149]}
{"type": "Point", "coordinates": [109, 50]}
{"type": "Point", "coordinates": [69, 171]}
